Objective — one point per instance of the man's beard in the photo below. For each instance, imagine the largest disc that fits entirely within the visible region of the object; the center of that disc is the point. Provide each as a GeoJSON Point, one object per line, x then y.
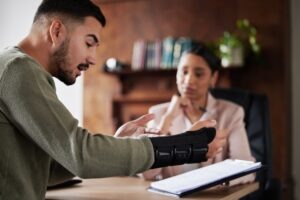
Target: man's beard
{"type": "Point", "coordinates": [59, 60]}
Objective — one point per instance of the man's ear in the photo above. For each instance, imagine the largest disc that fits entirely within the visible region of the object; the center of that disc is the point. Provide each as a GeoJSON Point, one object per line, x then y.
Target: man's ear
{"type": "Point", "coordinates": [57, 33]}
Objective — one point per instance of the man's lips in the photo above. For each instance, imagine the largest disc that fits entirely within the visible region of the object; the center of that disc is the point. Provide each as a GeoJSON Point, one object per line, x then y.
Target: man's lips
{"type": "Point", "coordinates": [83, 67]}
{"type": "Point", "coordinates": [78, 74]}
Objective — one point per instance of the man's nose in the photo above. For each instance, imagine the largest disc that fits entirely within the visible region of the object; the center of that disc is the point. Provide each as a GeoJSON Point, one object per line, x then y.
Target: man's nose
{"type": "Point", "coordinates": [91, 59]}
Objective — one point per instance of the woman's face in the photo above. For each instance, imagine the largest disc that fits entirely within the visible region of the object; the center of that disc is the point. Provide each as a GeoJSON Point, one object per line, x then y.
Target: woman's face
{"type": "Point", "coordinates": [194, 77]}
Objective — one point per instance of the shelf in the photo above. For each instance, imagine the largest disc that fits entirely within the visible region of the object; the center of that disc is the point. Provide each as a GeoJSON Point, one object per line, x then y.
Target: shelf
{"type": "Point", "coordinates": [101, 2]}
{"type": "Point", "coordinates": [141, 90]}
{"type": "Point", "coordinates": [134, 100]}
{"type": "Point", "coordinates": [147, 79]}
{"type": "Point", "coordinates": [160, 72]}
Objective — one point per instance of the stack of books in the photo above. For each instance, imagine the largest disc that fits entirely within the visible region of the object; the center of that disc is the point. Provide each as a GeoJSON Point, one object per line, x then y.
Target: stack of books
{"type": "Point", "coordinates": [159, 54]}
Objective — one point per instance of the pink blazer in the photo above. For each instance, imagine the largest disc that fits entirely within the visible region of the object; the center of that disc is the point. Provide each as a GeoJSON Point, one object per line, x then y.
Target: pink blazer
{"type": "Point", "coordinates": [229, 116]}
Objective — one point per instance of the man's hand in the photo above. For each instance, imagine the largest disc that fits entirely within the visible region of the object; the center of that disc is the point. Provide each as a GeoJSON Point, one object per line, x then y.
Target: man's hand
{"type": "Point", "coordinates": [137, 127]}
{"type": "Point", "coordinates": [219, 141]}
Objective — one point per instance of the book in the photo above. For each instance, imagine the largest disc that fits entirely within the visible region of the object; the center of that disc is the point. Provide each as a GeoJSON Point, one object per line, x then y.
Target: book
{"type": "Point", "coordinates": [139, 55]}
{"type": "Point", "coordinates": [167, 52]}
{"type": "Point", "coordinates": [204, 177]}
{"type": "Point", "coordinates": [181, 44]}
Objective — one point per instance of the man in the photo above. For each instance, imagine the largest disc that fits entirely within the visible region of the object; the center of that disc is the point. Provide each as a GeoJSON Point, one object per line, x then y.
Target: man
{"type": "Point", "coordinates": [41, 143]}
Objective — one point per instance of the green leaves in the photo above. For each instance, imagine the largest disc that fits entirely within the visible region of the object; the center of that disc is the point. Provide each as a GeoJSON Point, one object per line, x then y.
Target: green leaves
{"type": "Point", "coordinates": [234, 47]}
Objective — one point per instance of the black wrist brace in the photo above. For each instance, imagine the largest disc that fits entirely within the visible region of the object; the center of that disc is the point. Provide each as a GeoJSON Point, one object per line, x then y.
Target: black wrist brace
{"type": "Point", "coordinates": [188, 147]}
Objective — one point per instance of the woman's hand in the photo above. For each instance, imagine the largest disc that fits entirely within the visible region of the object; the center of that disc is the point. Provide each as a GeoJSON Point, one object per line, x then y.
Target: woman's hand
{"type": "Point", "coordinates": [137, 127]}
{"type": "Point", "coordinates": [216, 146]}
{"type": "Point", "coordinates": [192, 112]}
{"type": "Point", "coordinates": [174, 106]}
{"type": "Point", "coordinates": [201, 124]}
{"type": "Point", "coordinates": [167, 119]}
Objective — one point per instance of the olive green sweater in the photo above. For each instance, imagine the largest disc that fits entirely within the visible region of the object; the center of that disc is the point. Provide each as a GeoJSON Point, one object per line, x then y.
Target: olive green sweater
{"type": "Point", "coordinates": [40, 141]}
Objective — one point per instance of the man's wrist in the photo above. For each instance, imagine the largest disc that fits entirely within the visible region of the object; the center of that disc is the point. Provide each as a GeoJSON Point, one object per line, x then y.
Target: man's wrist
{"type": "Point", "coordinates": [190, 147]}
{"type": "Point", "coordinates": [165, 132]}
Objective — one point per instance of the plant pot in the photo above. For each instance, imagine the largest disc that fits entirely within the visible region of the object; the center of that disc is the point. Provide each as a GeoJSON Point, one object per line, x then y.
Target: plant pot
{"type": "Point", "coordinates": [232, 57]}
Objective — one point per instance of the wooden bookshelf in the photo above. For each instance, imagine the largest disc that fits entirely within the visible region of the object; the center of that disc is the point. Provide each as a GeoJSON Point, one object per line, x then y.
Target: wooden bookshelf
{"type": "Point", "coordinates": [140, 90]}
{"type": "Point", "coordinates": [159, 80]}
{"type": "Point", "coordinates": [143, 72]}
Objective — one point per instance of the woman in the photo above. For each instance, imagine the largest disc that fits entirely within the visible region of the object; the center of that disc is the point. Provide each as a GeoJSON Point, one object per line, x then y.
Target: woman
{"type": "Point", "coordinates": [198, 72]}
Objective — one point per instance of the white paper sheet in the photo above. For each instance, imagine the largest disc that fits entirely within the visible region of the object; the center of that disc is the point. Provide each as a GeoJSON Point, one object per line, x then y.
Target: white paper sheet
{"type": "Point", "coordinates": [203, 176]}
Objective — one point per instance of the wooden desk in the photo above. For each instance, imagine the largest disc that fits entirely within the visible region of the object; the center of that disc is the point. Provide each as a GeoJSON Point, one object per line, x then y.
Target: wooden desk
{"type": "Point", "coordinates": [133, 188]}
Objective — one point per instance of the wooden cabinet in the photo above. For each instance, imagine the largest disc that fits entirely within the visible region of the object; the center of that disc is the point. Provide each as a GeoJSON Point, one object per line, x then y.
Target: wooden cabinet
{"type": "Point", "coordinates": [140, 90]}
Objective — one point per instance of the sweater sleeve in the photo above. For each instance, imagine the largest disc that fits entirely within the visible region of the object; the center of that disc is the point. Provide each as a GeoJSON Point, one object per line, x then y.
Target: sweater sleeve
{"type": "Point", "coordinates": [58, 174]}
{"type": "Point", "coordinates": [29, 100]}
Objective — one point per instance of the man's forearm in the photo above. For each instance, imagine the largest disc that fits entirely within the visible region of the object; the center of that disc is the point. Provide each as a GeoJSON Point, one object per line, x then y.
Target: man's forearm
{"type": "Point", "coordinates": [189, 147]}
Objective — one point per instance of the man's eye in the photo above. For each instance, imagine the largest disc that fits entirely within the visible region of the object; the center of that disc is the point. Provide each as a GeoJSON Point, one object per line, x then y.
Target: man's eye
{"type": "Point", "coordinates": [88, 44]}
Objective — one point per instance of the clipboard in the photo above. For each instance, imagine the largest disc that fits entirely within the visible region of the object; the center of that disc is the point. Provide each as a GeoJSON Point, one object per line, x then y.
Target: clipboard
{"type": "Point", "coordinates": [186, 183]}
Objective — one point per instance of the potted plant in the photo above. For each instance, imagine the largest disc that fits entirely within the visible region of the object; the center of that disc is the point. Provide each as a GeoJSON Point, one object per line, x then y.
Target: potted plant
{"type": "Point", "coordinates": [233, 48]}
{"type": "Point", "coordinates": [230, 50]}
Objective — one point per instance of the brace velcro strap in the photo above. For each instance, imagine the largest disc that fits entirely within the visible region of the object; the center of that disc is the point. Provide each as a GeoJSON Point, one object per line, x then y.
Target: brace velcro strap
{"type": "Point", "coordinates": [188, 147]}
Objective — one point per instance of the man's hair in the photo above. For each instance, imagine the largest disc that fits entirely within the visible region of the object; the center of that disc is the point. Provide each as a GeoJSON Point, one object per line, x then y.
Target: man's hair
{"type": "Point", "coordinates": [200, 49]}
{"type": "Point", "coordinates": [74, 9]}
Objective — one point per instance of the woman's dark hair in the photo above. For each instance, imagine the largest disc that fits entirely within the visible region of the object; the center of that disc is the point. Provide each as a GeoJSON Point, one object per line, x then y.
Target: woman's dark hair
{"type": "Point", "coordinates": [200, 49]}
{"type": "Point", "coordinates": [75, 9]}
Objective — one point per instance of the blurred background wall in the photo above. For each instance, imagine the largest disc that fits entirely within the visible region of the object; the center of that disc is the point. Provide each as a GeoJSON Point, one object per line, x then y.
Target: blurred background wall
{"type": "Point", "coordinates": [15, 21]}
{"type": "Point", "coordinates": [295, 75]}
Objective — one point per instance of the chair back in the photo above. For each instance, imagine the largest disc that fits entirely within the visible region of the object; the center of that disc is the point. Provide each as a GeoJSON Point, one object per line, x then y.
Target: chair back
{"type": "Point", "coordinates": [257, 122]}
